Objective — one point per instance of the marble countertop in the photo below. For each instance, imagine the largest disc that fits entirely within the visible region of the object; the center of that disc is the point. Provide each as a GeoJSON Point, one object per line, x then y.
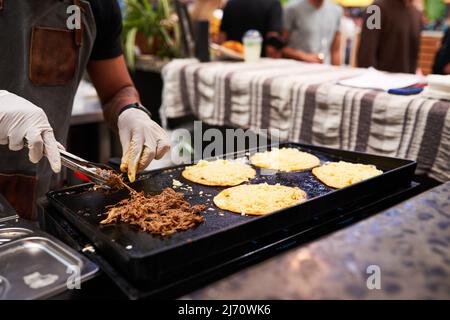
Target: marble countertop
{"type": "Point", "coordinates": [401, 253]}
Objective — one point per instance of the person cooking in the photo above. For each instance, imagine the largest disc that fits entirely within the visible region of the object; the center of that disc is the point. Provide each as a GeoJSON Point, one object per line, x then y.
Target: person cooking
{"type": "Point", "coordinates": [42, 62]}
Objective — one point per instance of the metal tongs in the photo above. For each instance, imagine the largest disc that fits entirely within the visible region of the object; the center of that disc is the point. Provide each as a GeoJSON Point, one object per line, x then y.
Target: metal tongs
{"type": "Point", "coordinates": [96, 172]}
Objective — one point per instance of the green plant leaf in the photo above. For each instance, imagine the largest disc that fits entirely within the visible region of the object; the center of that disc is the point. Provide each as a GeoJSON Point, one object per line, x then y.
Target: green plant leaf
{"type": "Point", "coordinates": [165, 7]}
{"type": "Point", "coordinates": [130, 45]}
{"type": "Point", "coordinates": [144, 17]}
{"type": "Point", "coordinates": [434, 9]}
{"type": "Point", "coordinates": [147, 5]}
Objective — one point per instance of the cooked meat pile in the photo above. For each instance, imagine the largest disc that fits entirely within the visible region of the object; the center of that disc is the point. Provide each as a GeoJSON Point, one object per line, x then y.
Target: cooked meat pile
{"type": "Point", "coordinates": [162, 214]}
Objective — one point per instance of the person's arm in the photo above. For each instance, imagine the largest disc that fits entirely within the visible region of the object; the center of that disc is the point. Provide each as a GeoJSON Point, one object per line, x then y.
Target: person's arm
{"type": "Point", "coordinates": [288, 52]}
{"type": "Point", "coordinates": [274, 42]}
{"type": "Point", "coordinates": [274, 45]}
{"type": "Point", "coordinates": [336, 50]}
{"type": "Point", "coordinates": [291, 53]}
{"type": "Point", "coordinates": [222, 38]}
{"type": "Point", "coordinates": [142, 139]}
{"type": "Point", "coordinates": [447, 69]}
{"type": "Point", "coordinates": [114, 86]}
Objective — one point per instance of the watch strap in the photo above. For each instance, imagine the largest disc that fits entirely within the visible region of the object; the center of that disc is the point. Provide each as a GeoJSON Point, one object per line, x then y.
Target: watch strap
{"type": "Point", "coordinates": [138, 106]}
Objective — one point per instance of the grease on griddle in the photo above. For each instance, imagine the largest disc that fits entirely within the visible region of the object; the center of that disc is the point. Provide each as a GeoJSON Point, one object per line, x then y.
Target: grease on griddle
{"type": "Point", "coordinates": [162, 214]}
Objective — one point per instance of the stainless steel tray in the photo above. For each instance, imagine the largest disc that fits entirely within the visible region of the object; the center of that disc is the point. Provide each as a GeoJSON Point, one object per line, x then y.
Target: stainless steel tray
{"type": "Point", "coordinates": [6, 210]}
{"type": "Point", "coordinates": [37, 268]}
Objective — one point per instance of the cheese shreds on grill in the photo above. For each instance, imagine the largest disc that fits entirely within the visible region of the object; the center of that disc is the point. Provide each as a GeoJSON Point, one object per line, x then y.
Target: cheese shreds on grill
{"type": "Point", "coordinates": [286, 159]}
{"type": "Point", "coordinates": [219, 173]}
{"type": "Point", "coordinates": [343, 174]}
{"type": "Point", "coordinates": [258, 199]}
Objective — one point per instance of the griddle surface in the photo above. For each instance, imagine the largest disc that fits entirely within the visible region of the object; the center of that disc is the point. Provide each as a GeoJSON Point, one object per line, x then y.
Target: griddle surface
{"type": "Point", "coordinates": [90, 206]}
{"type": "Point", "coordinates": [85, 208]}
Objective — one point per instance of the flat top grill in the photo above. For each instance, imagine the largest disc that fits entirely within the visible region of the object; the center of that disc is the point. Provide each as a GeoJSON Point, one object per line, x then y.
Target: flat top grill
{"type": "Point", "coordinates": [141, 254]}
{"type": "Point", "coordinates": [90, 205]}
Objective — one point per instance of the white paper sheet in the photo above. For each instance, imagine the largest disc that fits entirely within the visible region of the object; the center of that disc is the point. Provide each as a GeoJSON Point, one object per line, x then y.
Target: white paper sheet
{"type": "Point", "coordinates": [374, 79]}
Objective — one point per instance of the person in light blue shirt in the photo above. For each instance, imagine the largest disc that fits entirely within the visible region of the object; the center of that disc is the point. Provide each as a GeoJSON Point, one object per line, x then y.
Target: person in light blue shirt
{"type": "Point", "coordinates": [311, 31]}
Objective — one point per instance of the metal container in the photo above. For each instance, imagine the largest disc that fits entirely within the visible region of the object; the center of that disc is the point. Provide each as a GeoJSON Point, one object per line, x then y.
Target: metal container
{"type": "Point", "coordinates": [38, 268]}
{"type": "Point", "coordinates": [6, 210]}
{"type": "Point", "coordinates": [9, 234]}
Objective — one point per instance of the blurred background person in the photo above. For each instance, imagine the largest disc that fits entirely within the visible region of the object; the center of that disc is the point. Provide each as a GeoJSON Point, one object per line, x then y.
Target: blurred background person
{"type": "Point", "coordinates": [311, 31]}
{"type": "Point", "coordinates": [204, 9]}
{"type": "Point", "coordinates": [210, 10]}
{"type": "Point", "coordinates": [395, 46]}
{"type": "Point", "coordinates": [265, 16]}
{"type": "Point", "coordinates": [348, 30]}
{"type": "Point", "coordinates": [442, 60]}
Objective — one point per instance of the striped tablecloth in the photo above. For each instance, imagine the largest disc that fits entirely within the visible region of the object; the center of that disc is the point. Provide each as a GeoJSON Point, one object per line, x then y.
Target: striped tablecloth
{"type": "Point", "coordinates": [305, 104]}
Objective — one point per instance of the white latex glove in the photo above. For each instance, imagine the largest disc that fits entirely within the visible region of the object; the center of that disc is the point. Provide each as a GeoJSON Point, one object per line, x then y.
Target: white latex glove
{"type": "Point", "coordinates": [142, 141]}
{"type": "Point", "coordinates": [21, 121]}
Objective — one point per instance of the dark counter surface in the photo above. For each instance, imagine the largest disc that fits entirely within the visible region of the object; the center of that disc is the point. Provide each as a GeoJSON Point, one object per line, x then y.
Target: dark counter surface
{"type": "Point", "coordinates": [408, 246]}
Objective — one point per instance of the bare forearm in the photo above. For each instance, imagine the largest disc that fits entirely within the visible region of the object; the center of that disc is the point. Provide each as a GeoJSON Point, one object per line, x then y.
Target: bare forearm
{"type": "Point", "coordinates": [122, 98]}
{"type": "Point", "coordinates": [222, 38]}
{"type": "Point", "coordinates": [114, 87]}
{"type": "Point", "coordinates": [447, 69]}
{"type": "Point", "coordinates": [292, 53]}
{"type": "Point", "coordinates": [336, 50]}
{"type": "Point", "coordinates": [273, 52]}
{"type": "Point", "coordinates": [336, 58]}
{"type": "Point", "coordinates": [301, 55]}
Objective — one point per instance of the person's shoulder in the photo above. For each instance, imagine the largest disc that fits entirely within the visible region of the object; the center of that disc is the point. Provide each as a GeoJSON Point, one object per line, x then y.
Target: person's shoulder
{"type": "Point", "coordinates": [102, 7]}
{"type": "Point", "coordinates": [270, 3]}
{"type": "Point", "coordinates": [275, 2]}
{"type": "Point", "coordinates": [417, 12]}
{"type": "Point", "coordinates": [99, 4]}
{"type": "Point", "coordinates": [232, 3]}
{"type": "Point", "coordinates": [295, 5]}
{"type": "Point", "coordinates": [382, 4]}
{"type": "Point", "coordinates": [335, 8]}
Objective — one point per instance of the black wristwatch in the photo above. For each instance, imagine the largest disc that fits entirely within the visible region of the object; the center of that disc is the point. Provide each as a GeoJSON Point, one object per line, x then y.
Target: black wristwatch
{"type": "Point", "coordinates": [138, 106]}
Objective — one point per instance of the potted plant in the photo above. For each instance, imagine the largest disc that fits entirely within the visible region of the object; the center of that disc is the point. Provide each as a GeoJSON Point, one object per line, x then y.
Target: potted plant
{"type": "Point", "coordinates": [150, 32]}
{"type": "Point", "coordinates": [151, 38]}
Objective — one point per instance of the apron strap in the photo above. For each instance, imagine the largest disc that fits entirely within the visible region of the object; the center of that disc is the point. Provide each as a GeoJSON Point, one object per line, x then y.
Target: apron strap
{"type": "Point", "coordinates": [78, 32]}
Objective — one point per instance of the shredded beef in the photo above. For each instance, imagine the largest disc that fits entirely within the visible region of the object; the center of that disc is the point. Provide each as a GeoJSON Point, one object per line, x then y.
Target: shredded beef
{"type": "Point", "coordinates": [162, 214]}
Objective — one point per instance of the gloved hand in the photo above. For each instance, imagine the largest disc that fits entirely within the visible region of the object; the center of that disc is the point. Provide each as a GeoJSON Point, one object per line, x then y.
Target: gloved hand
{"type": "Point", "coordinates": [142, 141]}
{"type": "Point", "coordinates": [21, 121]}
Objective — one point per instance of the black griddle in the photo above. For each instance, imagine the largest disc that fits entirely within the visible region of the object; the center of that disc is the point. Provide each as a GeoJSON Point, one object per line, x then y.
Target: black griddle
{"type": "Point", "coordinates": [144, 258]}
